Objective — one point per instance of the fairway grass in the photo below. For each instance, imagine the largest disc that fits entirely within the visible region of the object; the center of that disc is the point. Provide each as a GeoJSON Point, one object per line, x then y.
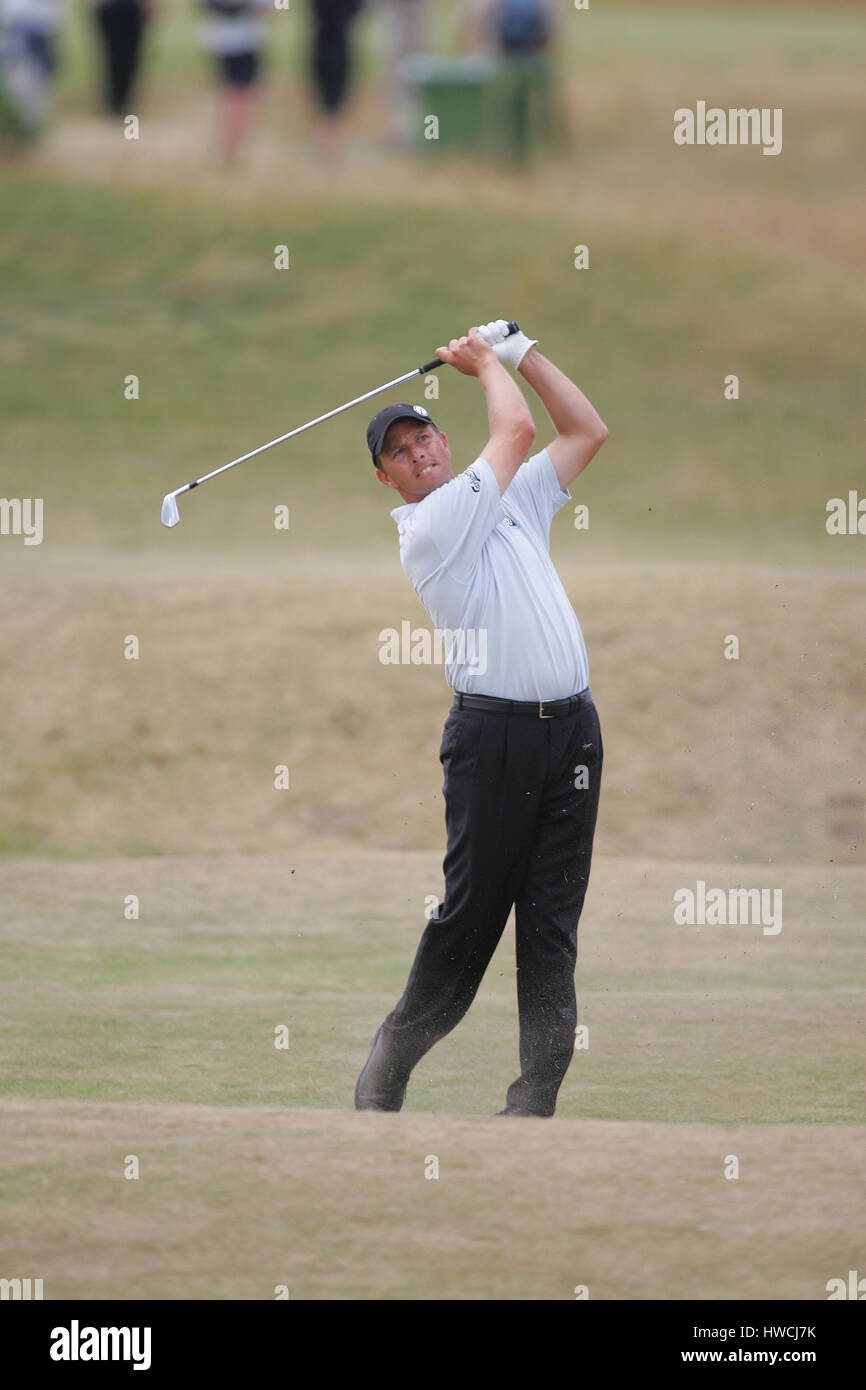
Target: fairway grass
{"type": "Point", "coordinates": [233, 1202]}
{"type": "Point", "coordinates": [713, 1024]}
{"type": "Point", "coordinates": [154, 1038]}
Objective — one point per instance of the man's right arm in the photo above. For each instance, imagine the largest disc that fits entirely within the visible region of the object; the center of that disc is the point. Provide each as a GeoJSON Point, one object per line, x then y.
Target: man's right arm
{"type": "Point", "coordinates": [511, 426]}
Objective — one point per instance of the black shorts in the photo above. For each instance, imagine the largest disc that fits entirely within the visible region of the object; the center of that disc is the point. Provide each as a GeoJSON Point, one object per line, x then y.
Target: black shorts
{"type": "Point", "coordinates": [239, 69]}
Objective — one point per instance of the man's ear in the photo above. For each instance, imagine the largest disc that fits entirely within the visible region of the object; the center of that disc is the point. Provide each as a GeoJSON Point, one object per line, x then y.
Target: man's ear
{"type": "Point", "coordinates": [383, 478]}
{"type": "Point", "coordinates": [444, 438]}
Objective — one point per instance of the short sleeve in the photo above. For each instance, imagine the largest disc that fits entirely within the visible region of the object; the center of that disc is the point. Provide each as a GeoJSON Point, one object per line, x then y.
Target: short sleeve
{"type": "Point", "coordinates": [534, 495]}
{"type": "Point", "coordinates": [448, 529]}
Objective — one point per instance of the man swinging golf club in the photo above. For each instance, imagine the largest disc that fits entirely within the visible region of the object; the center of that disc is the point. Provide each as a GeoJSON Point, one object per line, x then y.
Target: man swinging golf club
{"type": "Point", "coordinates": [521, 748]}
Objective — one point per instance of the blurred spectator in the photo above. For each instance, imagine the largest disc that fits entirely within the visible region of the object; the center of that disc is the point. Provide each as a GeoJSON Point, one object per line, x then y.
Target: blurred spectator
{"type": "Point", "coordinates": [234, 33]}
{"type": "Point", "coordinates": [404, 21]}
{"type": "Point", "coordinates": [120, 25]}
{"type": "Point", "coordinates": [28, 61]}
{"type": "Point", "coordinates": [331, 61]}
{"type": "Point", "coordinates": [520, 34]}
{"type": "Point", "coordinates": [511, 27]}
{"type": "Point", "coordinates": [521, 26]}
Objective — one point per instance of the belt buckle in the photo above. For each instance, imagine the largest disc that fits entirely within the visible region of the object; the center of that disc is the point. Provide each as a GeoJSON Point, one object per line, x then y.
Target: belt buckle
{"type": "Point", "coordinates": [541, 713]}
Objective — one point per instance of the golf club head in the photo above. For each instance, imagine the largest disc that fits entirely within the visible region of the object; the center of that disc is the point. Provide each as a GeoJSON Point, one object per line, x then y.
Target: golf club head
{"type": "Point", "coordinates": [170, 513]}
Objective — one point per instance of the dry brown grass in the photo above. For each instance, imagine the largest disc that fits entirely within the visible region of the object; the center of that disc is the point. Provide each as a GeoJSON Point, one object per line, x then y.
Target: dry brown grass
{"type": "Point", "coordinates": [233, 1202]}
{"type": "Point", "coordinates": [246, 669]}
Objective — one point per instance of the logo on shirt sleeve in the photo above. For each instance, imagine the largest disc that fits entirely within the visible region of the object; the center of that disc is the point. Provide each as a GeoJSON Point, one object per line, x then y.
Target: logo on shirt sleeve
{"type": "Point", "coordinates": [474, 480]}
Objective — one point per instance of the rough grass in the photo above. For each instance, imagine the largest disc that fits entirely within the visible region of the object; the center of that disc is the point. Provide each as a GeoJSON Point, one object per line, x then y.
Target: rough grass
{"type": "Point", "coordinates": [230, 353]}
{"type": "Point", "coordinates": [278, 664]}
{"type": "Point", "coordinates": [120, 257]}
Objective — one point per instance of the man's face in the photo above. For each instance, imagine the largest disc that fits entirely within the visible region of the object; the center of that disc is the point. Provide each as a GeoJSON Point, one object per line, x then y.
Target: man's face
{"type": "Point", "coordinates": [415, 459]}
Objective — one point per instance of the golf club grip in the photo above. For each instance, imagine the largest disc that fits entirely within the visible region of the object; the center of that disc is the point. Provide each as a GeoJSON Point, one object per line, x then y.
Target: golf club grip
{"type": "Point", "coordinates": [513, 327]}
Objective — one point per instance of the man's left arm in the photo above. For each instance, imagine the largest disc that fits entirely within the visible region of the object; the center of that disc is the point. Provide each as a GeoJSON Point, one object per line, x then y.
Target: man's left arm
{"type": "Point", "coordinates": [580, 429]}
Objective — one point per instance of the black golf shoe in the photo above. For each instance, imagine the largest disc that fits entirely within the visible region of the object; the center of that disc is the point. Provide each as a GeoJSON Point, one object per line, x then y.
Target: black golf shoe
{"type": "Point", "coordinates": [527, 1114]}
{"type": "Point", "coordinates": [381, 1085]}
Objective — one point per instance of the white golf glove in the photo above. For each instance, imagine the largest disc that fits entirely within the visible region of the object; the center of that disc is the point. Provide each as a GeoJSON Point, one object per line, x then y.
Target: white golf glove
{"type": "Point", "coordinates": [508, 348]}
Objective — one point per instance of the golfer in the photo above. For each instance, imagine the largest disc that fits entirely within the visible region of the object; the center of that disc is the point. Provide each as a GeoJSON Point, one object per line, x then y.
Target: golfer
{"type": "Point", "coordinates": [521, 748]}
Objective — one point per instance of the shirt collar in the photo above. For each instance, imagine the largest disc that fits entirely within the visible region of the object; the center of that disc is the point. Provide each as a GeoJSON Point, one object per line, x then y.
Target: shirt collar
{"type": "Point", "coordinates": [401, 514]}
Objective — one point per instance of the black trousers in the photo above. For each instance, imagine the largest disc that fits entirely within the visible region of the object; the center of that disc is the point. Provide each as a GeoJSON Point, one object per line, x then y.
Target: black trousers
{"type": "Point", "coordinates": [331, 56]}
{"type": "Point", "coordinates": [521, 801]}
{"type": "Point", "coordinates": [121, 29]}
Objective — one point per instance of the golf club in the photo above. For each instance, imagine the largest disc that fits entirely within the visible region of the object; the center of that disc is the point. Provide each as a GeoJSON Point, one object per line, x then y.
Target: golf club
{"type": "Point", "coordinates": [170, 514]}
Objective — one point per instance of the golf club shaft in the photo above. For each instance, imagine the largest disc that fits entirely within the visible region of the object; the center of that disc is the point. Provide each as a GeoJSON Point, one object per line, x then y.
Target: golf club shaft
{"type": "Point", "coordinates": [430, 366]}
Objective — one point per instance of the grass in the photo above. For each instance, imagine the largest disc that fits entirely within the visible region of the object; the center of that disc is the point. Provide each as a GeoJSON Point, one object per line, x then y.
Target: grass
{"type": "Point", "coordinates": [712, 1025]}
{"type": "Point", "coordinates": [117, 260]}
{"type": "Point", "coordinates": [260, 908]}
{"type": "Point", "coordinates": [232, 1203]}
{"type": "Point", "coordinates": [155, 1038]}
{"type": "Point", "coordinates": [277, 663]}
{"type": "Point", "coordinates": [230, 352]}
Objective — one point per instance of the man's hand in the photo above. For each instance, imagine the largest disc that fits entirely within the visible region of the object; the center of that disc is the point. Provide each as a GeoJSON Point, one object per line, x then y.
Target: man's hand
{"type": "Point", "coordinates": [470, 355]}
{"type": "Point", "coordinates": [509, 347]}
{"type": "Point", "coordinates": [511, 427]}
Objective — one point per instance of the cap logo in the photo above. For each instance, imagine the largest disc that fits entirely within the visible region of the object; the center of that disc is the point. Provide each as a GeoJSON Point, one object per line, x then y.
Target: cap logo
{"type": "Point", "coordinates": [419, 409]}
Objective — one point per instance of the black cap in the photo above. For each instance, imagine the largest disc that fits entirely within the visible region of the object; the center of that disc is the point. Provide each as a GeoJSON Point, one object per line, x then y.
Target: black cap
{"type": "Point", "coordinates": [378, 426]}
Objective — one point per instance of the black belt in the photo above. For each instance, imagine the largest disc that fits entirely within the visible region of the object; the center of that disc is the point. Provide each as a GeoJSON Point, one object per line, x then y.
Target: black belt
{"type": "Point", "coordinates": [535, 709]}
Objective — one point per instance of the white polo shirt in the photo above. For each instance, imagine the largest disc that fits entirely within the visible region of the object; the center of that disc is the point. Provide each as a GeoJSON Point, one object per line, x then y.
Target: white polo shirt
{"type": "Point", "coordinates": [480, 564]}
